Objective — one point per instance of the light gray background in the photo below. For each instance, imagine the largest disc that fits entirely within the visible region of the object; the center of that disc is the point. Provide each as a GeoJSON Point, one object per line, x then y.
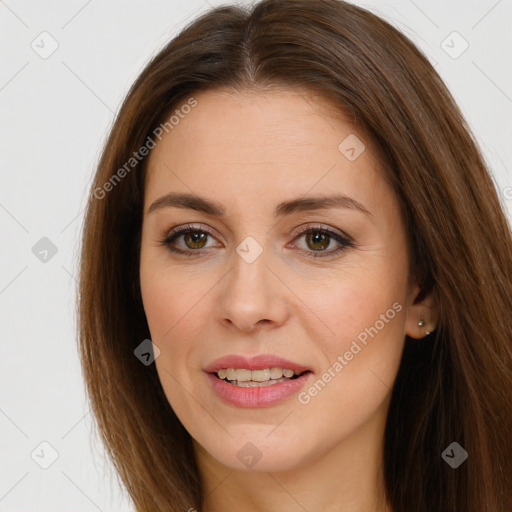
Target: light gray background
{"type": "Point", "coordinates": [55, 115]}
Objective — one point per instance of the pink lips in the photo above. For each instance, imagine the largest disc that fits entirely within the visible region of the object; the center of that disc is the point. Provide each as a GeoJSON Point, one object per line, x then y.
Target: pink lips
{"type": "Point", "coordinates": [254, 363]}
{"type": "Point", "coordinates": [262, 396]}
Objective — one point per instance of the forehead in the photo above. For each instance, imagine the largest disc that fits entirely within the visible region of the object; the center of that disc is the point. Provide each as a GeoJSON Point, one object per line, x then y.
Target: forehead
{"type": "Point", "coordinates": [240, 147]}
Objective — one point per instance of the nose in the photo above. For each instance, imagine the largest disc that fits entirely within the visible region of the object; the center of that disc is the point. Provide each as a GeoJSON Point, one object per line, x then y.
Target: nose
{"type": "Point", "coordinates": [252, 295]}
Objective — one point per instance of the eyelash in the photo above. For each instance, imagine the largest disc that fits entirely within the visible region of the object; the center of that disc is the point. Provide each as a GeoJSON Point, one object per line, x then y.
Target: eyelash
{"type": "Point", "coordinates": [344, 241]}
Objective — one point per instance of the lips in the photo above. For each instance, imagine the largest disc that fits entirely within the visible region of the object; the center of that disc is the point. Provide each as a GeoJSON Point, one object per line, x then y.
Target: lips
{"type": "Point", "coordinates": [259, 362]}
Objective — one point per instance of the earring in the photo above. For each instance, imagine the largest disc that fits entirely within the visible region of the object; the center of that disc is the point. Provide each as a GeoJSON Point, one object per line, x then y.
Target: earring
{"type": "Point", "coordinates": [421, 323]}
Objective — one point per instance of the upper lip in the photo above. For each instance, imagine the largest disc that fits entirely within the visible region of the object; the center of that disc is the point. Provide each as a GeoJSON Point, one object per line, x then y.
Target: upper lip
{"type": "Point", "coordinates": [259, 362]}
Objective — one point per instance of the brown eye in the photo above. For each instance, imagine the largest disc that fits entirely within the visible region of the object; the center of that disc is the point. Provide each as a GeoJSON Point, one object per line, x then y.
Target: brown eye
{"type": "Point", "coordinates": [189, 240]}
{"type": "Point", "coordinates": [320, 242]}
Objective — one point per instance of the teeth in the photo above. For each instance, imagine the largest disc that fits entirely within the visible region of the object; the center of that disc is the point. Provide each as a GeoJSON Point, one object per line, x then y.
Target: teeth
{"type": "Point", "coordinates": [265, 375]}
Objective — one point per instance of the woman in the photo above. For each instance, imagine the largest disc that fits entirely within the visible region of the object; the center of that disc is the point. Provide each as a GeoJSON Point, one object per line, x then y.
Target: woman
{"type": "Point", "coordinates": [292, 209]}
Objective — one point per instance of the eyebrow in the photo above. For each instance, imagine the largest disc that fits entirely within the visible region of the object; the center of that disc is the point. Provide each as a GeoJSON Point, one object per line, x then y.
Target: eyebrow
{"type": "Point", "coordinates": [201, 204]}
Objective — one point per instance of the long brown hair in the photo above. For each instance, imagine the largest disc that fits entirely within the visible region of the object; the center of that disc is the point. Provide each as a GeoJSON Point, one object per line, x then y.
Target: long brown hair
{"type": "Point", "coordinates": [456, 386]}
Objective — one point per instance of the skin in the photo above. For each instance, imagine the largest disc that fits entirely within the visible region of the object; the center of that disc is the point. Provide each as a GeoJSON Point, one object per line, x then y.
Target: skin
{"type": "Point", "coordinates": [250, 151]}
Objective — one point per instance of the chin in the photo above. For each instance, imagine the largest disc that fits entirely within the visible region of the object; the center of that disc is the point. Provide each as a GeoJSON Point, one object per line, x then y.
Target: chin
{"type": "Point", "coordinates": [260, 453]}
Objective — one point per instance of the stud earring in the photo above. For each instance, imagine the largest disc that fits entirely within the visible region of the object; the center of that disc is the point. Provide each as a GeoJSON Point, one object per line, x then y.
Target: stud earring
{"type": "Point", "coordinates": [421, 323]}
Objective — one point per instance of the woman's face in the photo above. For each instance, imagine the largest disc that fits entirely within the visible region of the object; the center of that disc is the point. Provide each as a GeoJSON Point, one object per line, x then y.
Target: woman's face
{"type": "Point", "coordinates": [301, 264]}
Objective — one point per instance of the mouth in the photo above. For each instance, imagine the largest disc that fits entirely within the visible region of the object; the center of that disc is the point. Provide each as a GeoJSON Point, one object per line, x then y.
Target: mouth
{"type": "Point", "coordinates": [260, 381]}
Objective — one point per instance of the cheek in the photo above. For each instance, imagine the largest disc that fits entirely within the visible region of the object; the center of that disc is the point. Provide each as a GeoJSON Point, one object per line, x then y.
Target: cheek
{"type": "Point", "coordinates": [365, 321]}
{"type": "Point", "coordinates": [172, 301]}
{"type": "Point", "coordinates": [352, 304]}
{"type": "Point", "coordinates": [366, 313]}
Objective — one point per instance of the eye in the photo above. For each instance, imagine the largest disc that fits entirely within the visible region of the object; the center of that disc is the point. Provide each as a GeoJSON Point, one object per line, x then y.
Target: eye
{"type": "Point", "coordinates": [319, 239]}
{"type": "Point", "coordinates": [193, 240]}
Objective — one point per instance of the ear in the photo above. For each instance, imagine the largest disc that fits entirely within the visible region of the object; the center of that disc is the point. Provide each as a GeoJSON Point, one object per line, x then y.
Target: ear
{"type": "Point", "coordinates": [418, 305]}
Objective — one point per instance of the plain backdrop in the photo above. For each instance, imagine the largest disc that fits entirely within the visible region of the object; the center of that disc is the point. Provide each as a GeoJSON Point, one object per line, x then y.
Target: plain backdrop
{"type": "Point", "coordinates": [56, 109]}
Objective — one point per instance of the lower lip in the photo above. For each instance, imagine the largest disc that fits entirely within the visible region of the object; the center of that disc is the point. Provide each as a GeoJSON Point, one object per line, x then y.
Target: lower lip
{"type": "Point", "coordinates": [261, 396]}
